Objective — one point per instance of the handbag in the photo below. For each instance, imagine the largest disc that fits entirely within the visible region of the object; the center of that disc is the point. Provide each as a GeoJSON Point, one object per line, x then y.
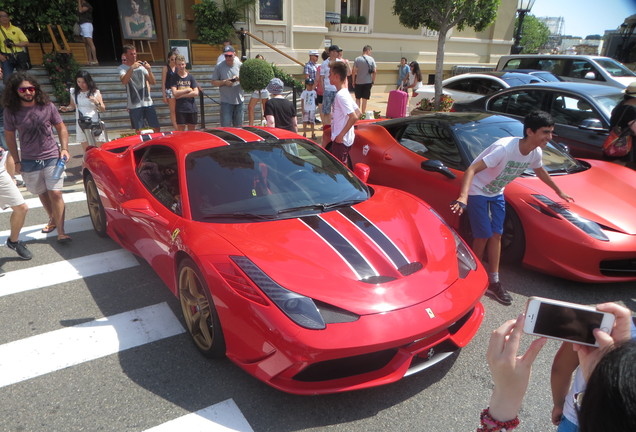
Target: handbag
{"type": "Point", "coordinates": [619, 141]}
{"type": "Point", "coordinates": [86, 122]}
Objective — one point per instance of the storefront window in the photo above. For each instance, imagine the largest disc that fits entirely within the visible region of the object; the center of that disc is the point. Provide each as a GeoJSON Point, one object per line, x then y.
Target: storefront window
{"type": "Point", "coordinates": [271, 10]}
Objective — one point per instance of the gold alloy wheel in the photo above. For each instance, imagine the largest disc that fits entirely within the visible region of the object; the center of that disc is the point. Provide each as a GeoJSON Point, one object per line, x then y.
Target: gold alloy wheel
{"type": "Point", "coordinates": [196, 308]}
{"type": "Point", "coordinates": [95, 207]}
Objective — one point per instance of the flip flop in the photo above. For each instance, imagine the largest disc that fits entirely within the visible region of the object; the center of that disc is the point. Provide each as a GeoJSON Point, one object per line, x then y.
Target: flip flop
{"type": "Point", "coordinates": [64, 240]}
{"type": "Point", "coordinates": [50, 227]}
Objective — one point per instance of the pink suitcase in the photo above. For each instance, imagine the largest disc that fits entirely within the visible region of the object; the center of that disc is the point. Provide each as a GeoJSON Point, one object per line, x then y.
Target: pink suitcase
{"type": "Point", "coordinates": [396, 107]}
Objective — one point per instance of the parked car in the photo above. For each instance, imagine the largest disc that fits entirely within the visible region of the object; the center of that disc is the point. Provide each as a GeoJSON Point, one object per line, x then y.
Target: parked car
{"type": "Point", "coordinates": [581, 111]}
{"type": "Point", "coordinates": [578, 68]}
{"type": "Point", "coordinates": [470, 86]}
{"type": "Point", "coordinates": [284, 260]}
{"type": "Point", "coordinates": [592, 239]}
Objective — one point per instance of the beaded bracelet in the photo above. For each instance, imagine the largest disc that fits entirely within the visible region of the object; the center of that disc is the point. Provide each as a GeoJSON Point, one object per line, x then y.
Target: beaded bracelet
{"type": "Point", "coordinates": [489, 424]}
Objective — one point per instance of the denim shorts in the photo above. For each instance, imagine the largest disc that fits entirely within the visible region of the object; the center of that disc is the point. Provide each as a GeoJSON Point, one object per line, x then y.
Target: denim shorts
{"type": "Point", "coordinates": [327, 100]}
{"type": "Point", "coordinates": [137, 116]}
{"type": "Point", "coordinates": [486, 215]}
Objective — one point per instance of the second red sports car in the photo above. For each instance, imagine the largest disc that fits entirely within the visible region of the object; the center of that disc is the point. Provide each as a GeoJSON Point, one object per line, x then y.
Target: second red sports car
{"type": "Point", "coordinates": [592, 239]}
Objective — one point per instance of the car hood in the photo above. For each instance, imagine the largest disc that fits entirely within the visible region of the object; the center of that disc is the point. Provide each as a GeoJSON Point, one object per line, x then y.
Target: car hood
{"type": "Point", "coordinates": [327, 256]}
{"type": "Point", "coordinates": [605, 194]}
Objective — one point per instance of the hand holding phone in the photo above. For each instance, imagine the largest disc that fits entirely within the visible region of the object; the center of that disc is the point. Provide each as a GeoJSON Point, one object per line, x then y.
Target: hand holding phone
{"type": "Point", "coordinates": [569, 322]}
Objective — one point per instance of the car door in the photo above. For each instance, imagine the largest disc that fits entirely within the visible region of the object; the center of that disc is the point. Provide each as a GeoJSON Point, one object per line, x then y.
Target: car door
{"type": "Point", "coordinates": [423, 147]}
{"type": "Point", "coordinates": [569, 111]}
{"type": "Point", "coordinates": [472, 88]}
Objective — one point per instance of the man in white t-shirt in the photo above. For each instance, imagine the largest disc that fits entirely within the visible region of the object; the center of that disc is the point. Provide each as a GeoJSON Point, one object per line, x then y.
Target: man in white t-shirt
{"type": "Point", "coordinates": [345, 114]}
{"type": "Point", "coordinates": [483, 188]}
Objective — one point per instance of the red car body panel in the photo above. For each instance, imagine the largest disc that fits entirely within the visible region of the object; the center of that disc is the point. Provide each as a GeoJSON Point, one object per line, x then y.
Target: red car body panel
{"type": "Point", "coordinates": [605, 193]}
{"type": "Point", "coordinates": [420, 315]}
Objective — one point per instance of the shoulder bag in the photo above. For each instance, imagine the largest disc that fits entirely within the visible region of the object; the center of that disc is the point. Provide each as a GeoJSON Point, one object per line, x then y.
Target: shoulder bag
{"type": "Point", "coordinates": [619, 141]}
{"type": "Point", "coordinates": [20, 60]}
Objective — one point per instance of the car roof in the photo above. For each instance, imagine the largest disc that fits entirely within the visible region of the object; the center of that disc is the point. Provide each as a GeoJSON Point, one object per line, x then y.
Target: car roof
{"type": "Point", "coordinates": [453, 119]}
{"type": "Point", "coordinates": [589, 89]}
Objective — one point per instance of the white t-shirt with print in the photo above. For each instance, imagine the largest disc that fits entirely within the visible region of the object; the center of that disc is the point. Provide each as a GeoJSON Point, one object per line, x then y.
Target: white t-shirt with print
{"type": "Point", "coordinates": [343, 105]}
{"type": "Point", "coordinates": [505, 163]}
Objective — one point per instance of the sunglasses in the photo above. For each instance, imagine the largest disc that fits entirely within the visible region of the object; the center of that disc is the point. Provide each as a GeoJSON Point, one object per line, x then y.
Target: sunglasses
{"type": "Point", "coordinates": [26, 89]}
{"type": "Point", "coordinates": [229, 55]}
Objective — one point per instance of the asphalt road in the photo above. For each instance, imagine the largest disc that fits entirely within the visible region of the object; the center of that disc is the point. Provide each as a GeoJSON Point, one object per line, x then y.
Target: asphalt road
{"type": "Point", "coordinates": [73, 356]}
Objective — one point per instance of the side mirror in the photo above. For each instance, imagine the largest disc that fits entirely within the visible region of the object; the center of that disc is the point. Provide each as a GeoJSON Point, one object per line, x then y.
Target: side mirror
{"type": "Point", "coordinates": [592, 124]}
{"type": "Point", "coordinates": [590, 76]}
{"type": "Point", "coordinates": [438, 166]}
{"type": "Point", "coordinates": [362, 171]}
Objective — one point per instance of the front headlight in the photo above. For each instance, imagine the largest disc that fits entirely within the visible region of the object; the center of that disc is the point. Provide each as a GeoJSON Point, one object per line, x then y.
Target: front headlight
{"type": "Point", "coordinates": [300, 309]}
{"type": "Point", "coordinates": [591, 228]}
{"type": "Point", "coordinates": [466, 261]}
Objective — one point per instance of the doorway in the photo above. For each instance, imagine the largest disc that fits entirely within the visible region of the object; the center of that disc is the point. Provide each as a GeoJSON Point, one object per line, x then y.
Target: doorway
{"type": "Point", "coordinates": [106, 32]}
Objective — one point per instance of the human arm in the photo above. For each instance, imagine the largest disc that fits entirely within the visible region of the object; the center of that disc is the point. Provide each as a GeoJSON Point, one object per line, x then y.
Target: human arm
{"type": "Point", "coordinates": [62, 133]}
{"type": "Point", "coordinates": [510, 372]}
{"type": "Point", "coordinates": [564, 364]}
{"type": "Point", "coordinates": [12, 145]}
{"type": "Point", "coordinates": [467, 180]}
{"type": "Point", "coordinates": [164, 73]}
{"type": "Point", "coordinates": [81, 6]}
{"type": "Point", "coordinates": [271, 122]}
{"type": "Point", "coordinates": [151, 76]}
{"type": "Point", "coordinates": [354, 73]}
{"type": "Point", "coordinates": [97, 100]}
{"type": "Point", "coordinates": [545, 178]}
{"type": "Point", "coordinates": [294, 122]}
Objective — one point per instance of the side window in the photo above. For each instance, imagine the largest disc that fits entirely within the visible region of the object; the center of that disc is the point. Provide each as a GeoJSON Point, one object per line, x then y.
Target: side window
{"type": "Point", "coordinates": [512, 64]}
{"type": "Point", "coordinates": [432, 141]}
{"type": "Point", "coordinates": [464, 85]}
{"type": "Point", "coordinates": [580, 68]}
{"type": "Point", "coordinates": [517, 103]}
{"type": "Point", "coordinates": [570, 110]}
{"type": "Point", "coordinates": [157, 170]}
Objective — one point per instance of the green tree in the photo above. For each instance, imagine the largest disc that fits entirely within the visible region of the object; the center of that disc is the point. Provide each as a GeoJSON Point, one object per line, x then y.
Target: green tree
{"type": "Point", "coordinates": [442, 16]}
{"type": "Point", "coordinates": [32, 16]}
{"type": "Point", "coordinates": [215, 23]}
{"type": "Point", "coordinates": [534, 34]}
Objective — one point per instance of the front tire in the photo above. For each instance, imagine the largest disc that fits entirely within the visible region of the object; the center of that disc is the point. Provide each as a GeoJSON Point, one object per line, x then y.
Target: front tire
{"type": "Point", "coordinates": [513, 241]}
{"type": "Point", "coordinates": [95, 207]}
{"type": "Point", "coordinates": [199, 311]}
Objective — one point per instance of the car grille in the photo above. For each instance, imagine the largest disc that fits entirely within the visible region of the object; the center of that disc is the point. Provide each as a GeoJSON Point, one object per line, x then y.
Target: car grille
{"type": "Point", "coordinates": [619, 268]}
{"type": "Point", "coordinates": [357, 365]}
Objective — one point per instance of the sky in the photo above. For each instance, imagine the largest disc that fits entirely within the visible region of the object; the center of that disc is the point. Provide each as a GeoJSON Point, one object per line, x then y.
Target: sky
{"type": "Point", "coordinates": [586, 17]}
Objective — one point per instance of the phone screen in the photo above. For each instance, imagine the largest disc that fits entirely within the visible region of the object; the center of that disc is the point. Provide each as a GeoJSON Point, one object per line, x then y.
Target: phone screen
{"type": "Point", "coordinates": [567, 323]}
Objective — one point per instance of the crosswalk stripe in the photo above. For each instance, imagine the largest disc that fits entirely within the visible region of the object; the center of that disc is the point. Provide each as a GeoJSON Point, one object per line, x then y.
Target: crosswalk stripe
{"type": "Point", "coordinates": [34, 203]}
{"type": "Point", "coordinates": [221, 417]}
{"type": "Point", "coordinates": [34, 232]}
{"type": "Point", "coordinates": [64, 271]}
{"type": "Point", "coordinates": [38, 355]}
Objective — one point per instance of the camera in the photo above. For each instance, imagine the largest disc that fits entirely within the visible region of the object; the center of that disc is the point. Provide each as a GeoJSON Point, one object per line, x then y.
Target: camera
{"type": "Point", "coordinates": [9, 43]}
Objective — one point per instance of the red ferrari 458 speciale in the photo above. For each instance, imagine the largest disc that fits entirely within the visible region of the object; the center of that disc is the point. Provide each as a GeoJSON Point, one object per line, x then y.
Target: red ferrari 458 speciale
{"type": "Point", "coordinates": [284, 260]}
{"type": "Point", "coordinates": [592, 239]}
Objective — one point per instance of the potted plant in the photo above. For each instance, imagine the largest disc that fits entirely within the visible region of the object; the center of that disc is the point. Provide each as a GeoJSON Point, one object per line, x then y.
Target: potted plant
{"type": "Point", "coordinates": [255, 75]}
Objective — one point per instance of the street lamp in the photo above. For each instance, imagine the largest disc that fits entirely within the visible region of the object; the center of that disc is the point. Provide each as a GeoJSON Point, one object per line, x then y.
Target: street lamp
{"type": "Point", "coordinates": [523, 7]}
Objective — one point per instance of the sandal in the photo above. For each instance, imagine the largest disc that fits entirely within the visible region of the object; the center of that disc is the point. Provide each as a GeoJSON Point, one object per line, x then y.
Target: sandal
{"type": "Point", "coordinates": [50, 227]}
{"type": "Point", "coordinates": [63, 239]}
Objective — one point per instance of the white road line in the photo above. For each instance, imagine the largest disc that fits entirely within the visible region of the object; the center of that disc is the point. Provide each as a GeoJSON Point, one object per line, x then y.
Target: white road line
{"type": "Point", "coordinates": [38, 355]}
{"type": "Point", "coordinates": [221, 417]}
{"type": "Point", "coordinates": [34, 232]}
{"type": "Point", "coordinates": [64, 271]}
{"type": "Point", "coordinates": [70, 197]}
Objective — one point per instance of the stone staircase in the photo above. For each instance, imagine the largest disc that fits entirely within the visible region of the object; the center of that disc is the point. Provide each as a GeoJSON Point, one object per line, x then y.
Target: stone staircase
{"type": "Point", "coordinates": [114, 95]}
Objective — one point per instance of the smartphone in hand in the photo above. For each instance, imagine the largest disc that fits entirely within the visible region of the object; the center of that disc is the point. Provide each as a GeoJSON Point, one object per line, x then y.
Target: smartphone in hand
{"type": "Point", "coordinates": [569, 322]}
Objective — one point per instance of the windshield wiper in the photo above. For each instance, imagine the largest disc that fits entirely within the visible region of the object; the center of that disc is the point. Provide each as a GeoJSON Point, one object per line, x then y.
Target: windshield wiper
{"type": "Point", "coordinates": [238, 215]}
{"type": "Point", "coordinates": [323, 207]}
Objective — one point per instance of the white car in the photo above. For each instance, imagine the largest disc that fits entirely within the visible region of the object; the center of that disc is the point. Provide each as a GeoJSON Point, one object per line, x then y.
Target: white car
{"type": "Point", "coordinates": [472, 86]}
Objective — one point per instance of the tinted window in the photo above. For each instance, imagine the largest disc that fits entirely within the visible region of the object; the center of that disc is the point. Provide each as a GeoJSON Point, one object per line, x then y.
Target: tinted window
{"type": "Point", "coordinates": [481, 86]}
{"type": "Point", "coordinates": [157, 170]}
{"type": "Point", "coordinates": [614, 68]}
{"type": "Point", "coordinates": [432, 141]}
{"type": "Point", "coordinates": [517, 103]}
{"type": "Point", "coordinates": [570, 110]}
{"type": "Point", "coordinates": [264, 179]}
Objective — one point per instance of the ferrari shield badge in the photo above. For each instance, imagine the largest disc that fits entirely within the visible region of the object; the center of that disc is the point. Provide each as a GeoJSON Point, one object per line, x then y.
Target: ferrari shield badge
{"type": "Point", "coordinates": [430, 313]}
{"type": "Point", "coordinates": [365, 150]}
{"type": "Point", "coordinates": [175, 234]}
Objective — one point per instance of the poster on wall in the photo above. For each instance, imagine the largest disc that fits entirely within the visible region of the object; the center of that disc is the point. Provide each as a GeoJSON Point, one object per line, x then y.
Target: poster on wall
{"type": "Point", "coordinates": [136, 20]}
{"type": "Point", "coordinates": [270, 10]}
{"type": "Point", "coordinates": [181, 47]}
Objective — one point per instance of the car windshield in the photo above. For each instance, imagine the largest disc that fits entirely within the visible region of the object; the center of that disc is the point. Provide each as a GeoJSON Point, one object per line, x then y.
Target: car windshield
{"type": "Point", "coordinates": [614, 68]}
{"type": "Point", "coordinates": [608, 102]}
{"type": "Point", "coordinates": [478, 137]}
{"type": "Point", "coordinates": [268, 180]}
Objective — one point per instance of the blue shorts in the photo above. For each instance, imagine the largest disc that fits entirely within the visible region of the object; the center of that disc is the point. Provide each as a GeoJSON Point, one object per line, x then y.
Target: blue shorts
{"type": "Point", "coordinates": [486, 215]}
{"type": "Point", "coordinates": [327, 100]}
{"type": "Point", "coordinates": [137, 116]}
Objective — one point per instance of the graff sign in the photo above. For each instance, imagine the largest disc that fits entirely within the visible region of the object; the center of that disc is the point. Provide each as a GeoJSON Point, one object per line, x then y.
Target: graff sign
{"type": "Point", "coordinates": [354, 28]}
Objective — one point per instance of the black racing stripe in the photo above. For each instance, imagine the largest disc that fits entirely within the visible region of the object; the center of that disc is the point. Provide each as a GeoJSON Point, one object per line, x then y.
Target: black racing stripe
{"type": "Point", "coordinates": [260, 132]}
{"type": "Point", "coordinates": [358, 263]}
{"type": "Point", "coordinates": [375, 234]}
{"type": "Point", "coordinates": [229, 137]}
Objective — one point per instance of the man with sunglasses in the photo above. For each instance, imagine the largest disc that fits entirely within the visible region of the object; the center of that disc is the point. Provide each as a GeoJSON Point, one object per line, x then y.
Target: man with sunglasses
{"type": "Point", "coordinates": [226, 76]}
{"type": "Point", "coordinates": [28, 111]}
